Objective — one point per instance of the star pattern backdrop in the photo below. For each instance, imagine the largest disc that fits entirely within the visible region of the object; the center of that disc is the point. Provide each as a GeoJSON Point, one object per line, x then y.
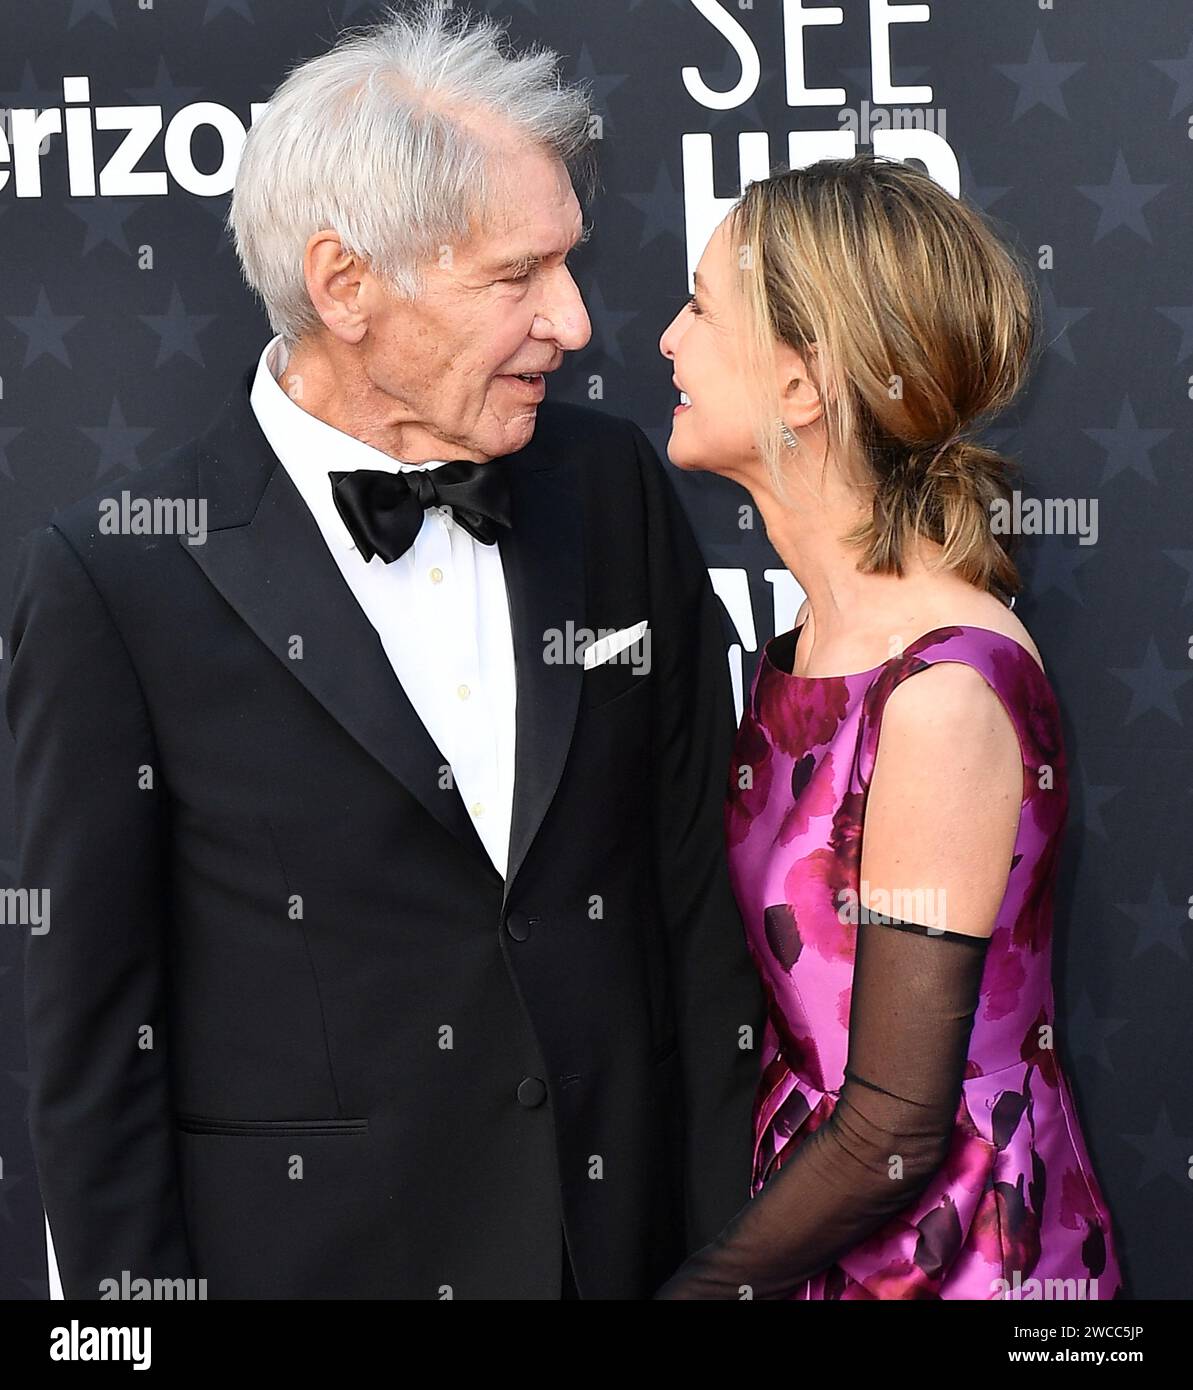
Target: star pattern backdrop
{"type": "Point", "coordinates": [124, 323]}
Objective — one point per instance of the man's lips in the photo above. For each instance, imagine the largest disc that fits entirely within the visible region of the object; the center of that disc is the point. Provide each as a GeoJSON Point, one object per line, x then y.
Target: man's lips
{"type": "Point", "coordinates": [535, 389]}
{"type": "Point", "coordinates": [535, 371]}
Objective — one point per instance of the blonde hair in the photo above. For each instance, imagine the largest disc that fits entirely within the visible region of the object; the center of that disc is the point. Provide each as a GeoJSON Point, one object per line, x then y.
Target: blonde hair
{"type": "Point", "coordinates": [916, 320]}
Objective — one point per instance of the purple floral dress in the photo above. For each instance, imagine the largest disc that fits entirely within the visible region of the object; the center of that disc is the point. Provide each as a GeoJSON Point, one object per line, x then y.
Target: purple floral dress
{"type": "Point", "coordinates": [1017, 1199]}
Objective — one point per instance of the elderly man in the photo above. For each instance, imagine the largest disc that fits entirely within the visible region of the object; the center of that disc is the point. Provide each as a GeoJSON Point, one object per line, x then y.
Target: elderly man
{"type": "Point", "coordinates": [392, 950]}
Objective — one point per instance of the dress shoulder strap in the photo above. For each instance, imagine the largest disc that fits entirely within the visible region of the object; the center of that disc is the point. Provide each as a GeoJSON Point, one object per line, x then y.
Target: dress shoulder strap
{"type": "Point", "coordinates": [1008, 667]}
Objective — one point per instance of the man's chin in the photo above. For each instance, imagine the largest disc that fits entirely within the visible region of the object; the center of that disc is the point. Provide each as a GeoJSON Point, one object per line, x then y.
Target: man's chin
{"type": "Point", "coordinates": [527, 416]}
{"type": "Point", "coordinates": [519, 429]}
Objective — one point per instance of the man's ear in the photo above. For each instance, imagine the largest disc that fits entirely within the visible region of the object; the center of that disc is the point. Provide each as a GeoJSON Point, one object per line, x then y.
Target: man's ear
{"type": "Point", "coordinates": [336, 281]}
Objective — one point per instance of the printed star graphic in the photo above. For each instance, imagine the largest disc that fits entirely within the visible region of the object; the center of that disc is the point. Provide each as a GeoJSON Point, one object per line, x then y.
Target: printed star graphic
{"type": "Point", "coordinates": [1181, 72]}
{"type": "Point", "coordinates": [983, 195]}
{"type": "Point", "coordinates": [118, 442]}
{"type": "Point", "coordinates": [1183, 558]}
{"type": "Point", "coordinates": [1182, 316]}
{"type": "Point", "coordinates": [663, 207]}
{"type": "Point", "coordinates": [1092, 800]}
{"type": "Point", "coordinates": [29, 96]}
{"type": "Point", "coordinates": [1054, 564]}
{"type": "Point", "coordinates": [104, 219]}
{"type": "Point", "coordinates": [45, 331]}
{"type": "Point", "coordinates": [1121, 201]}
{"type": "Point", "coordinates": [1161, 922]}
{"type": "Point", "coordinates": [601, 85]}
{"type": "Point", "coordinates": [80, 9]}
{"type": "Point", "coordinates": [178, 330]}
{"type": "Point", "coordinates": [1087, 1033]}
{"type": "Point", "coordinates": [1165, 1153]}
{"type": "Point", "coordinates": [1127, 445]}
{"type": "Point", "coordinates": [607, 323]}
{"type": "Point", "coordinates": [1153, 685]}
{"type": "Point", "coordinates": [240, 7]}
{"type": "Point", "coordinates": [1057, 322]}
{"type": "Point", "coordinates": [164, 92]}
{"type": "Point", "coordinates": [1039, 80]}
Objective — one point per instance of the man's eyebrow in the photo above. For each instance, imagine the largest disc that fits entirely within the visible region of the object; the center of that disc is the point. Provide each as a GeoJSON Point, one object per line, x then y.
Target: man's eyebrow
{"type": "Point", "coordinates": [515, 267]}
{"type": "Point", "coordinates": [520, 264]}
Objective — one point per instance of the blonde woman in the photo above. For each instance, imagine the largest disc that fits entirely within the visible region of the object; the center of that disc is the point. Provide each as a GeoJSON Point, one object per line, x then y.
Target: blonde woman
{"type": "Point", "coordinates": [898, 791]}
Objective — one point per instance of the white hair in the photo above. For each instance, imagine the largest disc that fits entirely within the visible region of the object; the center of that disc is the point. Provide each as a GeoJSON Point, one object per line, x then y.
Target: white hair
{"type": "Point", "coordinates": [372, 140]}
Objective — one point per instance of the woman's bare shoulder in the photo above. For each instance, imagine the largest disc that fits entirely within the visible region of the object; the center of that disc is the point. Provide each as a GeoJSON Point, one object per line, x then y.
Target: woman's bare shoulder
{"type": "Point", "coordinates": [989, 612]}
{"type": "Point", "coordinates": [951, 607]}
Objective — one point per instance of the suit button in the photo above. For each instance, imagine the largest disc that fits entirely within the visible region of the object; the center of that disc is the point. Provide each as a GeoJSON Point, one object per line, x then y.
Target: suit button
{"type": "Point", "coordinates": [519, 927]}
{"type": "Point", "coordinates": [531, 1092]}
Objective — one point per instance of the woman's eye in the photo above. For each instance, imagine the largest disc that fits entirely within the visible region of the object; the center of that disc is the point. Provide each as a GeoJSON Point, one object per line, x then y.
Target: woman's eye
{"type": "Point", "coordinates": [691, 304]}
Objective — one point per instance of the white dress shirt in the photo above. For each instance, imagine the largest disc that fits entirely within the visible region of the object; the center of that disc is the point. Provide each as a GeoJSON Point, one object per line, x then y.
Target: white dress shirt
{"type": "Point", "coordinates": [440, 609]}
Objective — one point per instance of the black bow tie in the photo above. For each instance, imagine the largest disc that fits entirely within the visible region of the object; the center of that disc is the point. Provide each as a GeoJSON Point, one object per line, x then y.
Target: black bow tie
{"type": "Point", "coordinates": [384, 511]}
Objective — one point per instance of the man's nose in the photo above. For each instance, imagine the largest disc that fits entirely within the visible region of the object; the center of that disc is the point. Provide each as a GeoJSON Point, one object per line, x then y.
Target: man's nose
{"type": "Point", "coordinates": [569, 318]}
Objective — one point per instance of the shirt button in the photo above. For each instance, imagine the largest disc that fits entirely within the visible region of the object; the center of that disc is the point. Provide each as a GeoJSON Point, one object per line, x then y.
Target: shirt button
{"type": "Point", "coordinates": [477, 809]}
{"type": "Point", "coordinates": [436, 575]}
{"type": "Point", "coordinates": [463, 692]}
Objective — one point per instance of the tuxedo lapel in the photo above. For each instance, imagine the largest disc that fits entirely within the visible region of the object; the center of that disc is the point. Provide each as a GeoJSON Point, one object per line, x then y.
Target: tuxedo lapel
{"type": "Point", "coordinates": [265, 554]}
{"type": "Point", "coordinates": [543, 560]}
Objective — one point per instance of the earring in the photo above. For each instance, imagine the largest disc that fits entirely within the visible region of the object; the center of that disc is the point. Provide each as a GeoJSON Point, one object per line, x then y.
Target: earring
{"type": "Point", "coordinates": [788, 437]}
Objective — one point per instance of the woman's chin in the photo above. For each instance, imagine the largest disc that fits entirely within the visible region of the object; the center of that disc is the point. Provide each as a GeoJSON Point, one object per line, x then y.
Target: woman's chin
{"type": "Point", "coordinates": [683, 458]}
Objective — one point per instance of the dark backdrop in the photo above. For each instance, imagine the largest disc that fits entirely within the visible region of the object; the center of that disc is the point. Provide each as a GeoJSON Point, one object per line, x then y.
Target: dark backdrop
{"type": "Point", "coordinates": [124, 323]}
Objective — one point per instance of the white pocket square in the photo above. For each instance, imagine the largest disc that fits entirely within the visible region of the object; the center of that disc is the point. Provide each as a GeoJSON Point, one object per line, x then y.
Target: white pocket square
{"type": "Point", "coordinates": [606, 647]}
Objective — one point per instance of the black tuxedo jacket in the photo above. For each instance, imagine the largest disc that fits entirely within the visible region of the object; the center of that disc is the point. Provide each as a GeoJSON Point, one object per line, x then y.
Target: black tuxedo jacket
{"type": "Point", "coordinates": [289, 1031]}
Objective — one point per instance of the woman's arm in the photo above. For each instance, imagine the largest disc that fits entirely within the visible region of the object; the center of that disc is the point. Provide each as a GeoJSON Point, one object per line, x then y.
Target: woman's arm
{"type": "Point", "coordinates": [914, 995]}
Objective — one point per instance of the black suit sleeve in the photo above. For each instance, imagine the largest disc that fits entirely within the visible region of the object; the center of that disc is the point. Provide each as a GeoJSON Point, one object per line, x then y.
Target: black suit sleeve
{"type": "Point", "coordinates": [717, 992]}
{"type": "Point", "coordinates": [91, 834]}
{"type": "Point", "coordinates": [911, 1014]}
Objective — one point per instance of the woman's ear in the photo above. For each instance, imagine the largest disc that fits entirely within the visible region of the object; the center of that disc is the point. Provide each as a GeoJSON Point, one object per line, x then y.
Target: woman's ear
{"type": "Point", "coordinates": [801, 392]}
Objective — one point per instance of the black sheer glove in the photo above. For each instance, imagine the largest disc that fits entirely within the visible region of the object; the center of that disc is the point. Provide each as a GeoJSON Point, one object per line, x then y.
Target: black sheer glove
{"type": "Point", "coordinates": [914, 995]}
